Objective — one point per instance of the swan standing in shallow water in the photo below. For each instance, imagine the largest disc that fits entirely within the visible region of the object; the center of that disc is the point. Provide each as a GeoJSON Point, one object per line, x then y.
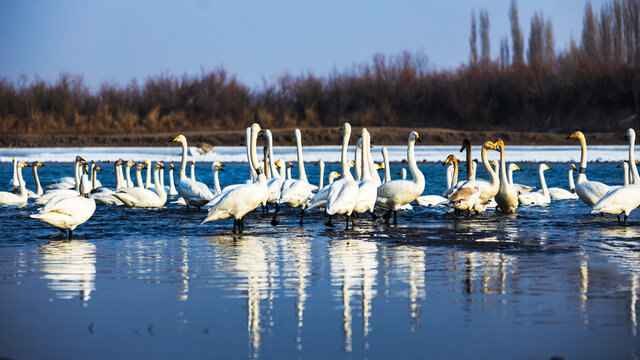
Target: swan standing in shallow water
{"type": "Point", "coordinates": [77, 167]}
{"type": "Point", "coordinates": [319, 200]}
{"type": "Point", "coordinates": [507, 196]}
{"type": "Point", "coordinates": [296, 193]}
{"type": "Point", "coordinates": [194, 193]}
{"type": "Point", "coordinates": [588, 191]}
{"type": "Point", "coordinates": [465, 196]}
{"type": "Point", "coordinates": [622, 200]}
{"type": "Point", "coordinates": [139, 197]}
{"type": "Point", "coordinates": [536, 198]}
{"type": "Point", "coordinates": [367, 187]}
{"type": "Point", "coordinates": [239, 201]}
{"type": "Point", "coordinates": [343, 193]}
{"type": "Point", "coordinates": [9, 198]}
{"type": "Point", "coordinates": [435, 200]}
{"type": "Point", "coordinates": [67, 212]}
{"type": "Point", "coordinates": [557, 193]}
{"type": "Point", "coordinates": [395, 193]}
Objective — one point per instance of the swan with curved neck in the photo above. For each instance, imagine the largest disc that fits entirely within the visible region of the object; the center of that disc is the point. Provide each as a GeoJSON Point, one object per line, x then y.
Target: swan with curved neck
{"type": "Point", "coordinates": [507, 196]}
{"type": "Point", "coordinates": [588, 191]}
{"type": "Point", "coordinates": [148, 166]}
{"type": "Point", "coordinates": [215, 168]}
{"type": "Point", "coordinates": [367, 187]}
{"type": "Point", "coordinates": [128, 172]}
{"type": "Point", "coordinates": [519, 187]}
{"type": "Point", "coordinates": [139, 169]}
{"type": "Point", "coordinates": [39, 191]}
{"type": "Point", "coordinates": [296, 193]}
{"type": "Point", "coordinates": [239, 201]}
{"type": "Point", "coordinates": [9, 198]}
{"type": "Point", "coordinates": [139, 197]}
{"type": "Point", "coordinates": [557, 193]}
{"type": "Point", "coordinates": [466, 145]}
{"type": "Point", "coordinates": [536, 198]}
{"type": "Point", "coordinates": [395, 193]}
{"type": "Point", "coordinates": [194, 193]}
{"type": "Point", "coordinates": [343, 193]}
{"type": "Point", "coordinates": [465, 195]}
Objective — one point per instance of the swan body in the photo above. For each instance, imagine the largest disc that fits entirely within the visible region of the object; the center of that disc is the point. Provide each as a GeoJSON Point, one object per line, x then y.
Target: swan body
{"type": "Point", "coordinates": [588, 191]}
{"type": "Point", "coordinates": [103, 195]}
{"type": "Point", "coordinates": [487, 189]}
{"type": "Point", "coordinates": [9, 198]}
{"type": "Point", "coordinates": [367, 187]}
{"type": "Point", "coordinates": [295, 193]}
{"type": "Point", "coordinates": [465, 196]}
{"type": "Point", "coordinates": [437, 200]}
{"type": "Point", "coordinates": [66, 212]}
{"type": "Point", "coordinates": [139, 197]}
{"type": "Point", "coordinates": [275, 183]}
{"type": "Point", "coordinates": [172, 186]}
{"type": "Point", "coordinates": [194, 193]}
{"type": "Point", "coordinates": [507, 196]}
{"type": "Point", "coordinates": [319, 200]}
{"type": "Point", "coordinates": [77, 182]}
{"type": "Point", "coordinates": [536, 198]}
{"type": "Point", "coordinates": [343, 193]}
{"type": "Point", "coordinates": [393, 194]}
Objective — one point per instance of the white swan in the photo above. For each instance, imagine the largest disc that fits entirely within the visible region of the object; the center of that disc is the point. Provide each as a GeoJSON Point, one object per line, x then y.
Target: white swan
{"type": "Point", "coordinates": [172, 186]}
{"type": "Point", "coordinates": [9, 198]}
{"type": "Point", "coordinates": [507, 196]}
{"type": "Point", "coordinates": [120, 180]}
{"type": "Point", "coordinates": [78, 164]}
{"type": "Point", "coordinates": [103, 195]}
{"type": "Point", "coordinates": [239, 201]}
{"type": "Point", "coordinates": [127, 170]}
{"type": "Point", "coordinates": [367, 187]}
{"type": "Point", "coordinates": [519, 187]}
{"type": "Point", "coordinates": [536, 198]}
{"type": "Point", "coordinates": [622, 200]}
{"type": "Point", "coordinates": [357, 160]}
{"type": "Point", "coordinates": [139, 197]}
{"type": "Point", "coordinates": [139, 169]}
{"type": "Point", "coordinates": [215, 168]}
{"type": "Point", "coordinates": [557, 193]}
{"type": "Point", "coordinates": [465, 195]}
{"type": "Point", "coordinates": [94, 184]}
{"type": "Point", "coordinates": [488, 189]}
{"type": "Point", "coordinates": [67, 182]}
{"type": "Point", "coordinates": [395, 193]}
{"type": "Point", "coordinates": [67, 212]}
{"type": "Point", "coordinates": [31, 194]}
{"type": "Point", "coordinates": [275, 183]}
{"type": "Point", "coordinates": [295, 193]}
{"type": "Point", "coordinates": [436, 200]}
{"type": "Point", "coordinates": [319, 200]}
{"type": "Point", "coordinates": [385, 165]}
{"type": "Point", "coordinates": [148, 183]}
{"type": "Point", "coordinates": [588, 191]}
{"type": "Point", "coordinates": [343, 193]}
{"type": "Point", "coordinates": [194, 193]}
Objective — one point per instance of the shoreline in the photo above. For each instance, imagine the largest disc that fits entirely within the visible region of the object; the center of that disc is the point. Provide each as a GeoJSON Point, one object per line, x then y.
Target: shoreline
{"type": "Point", "coordinates": [310, 136]}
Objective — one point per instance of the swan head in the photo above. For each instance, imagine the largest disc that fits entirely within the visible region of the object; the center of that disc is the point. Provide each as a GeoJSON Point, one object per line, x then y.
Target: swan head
{"type": "Point", "coordinates": [515, 167]}
{"type": "Point", "coordinates": [97, 168]}
{"type": "Point", "coordinates": [544, 167]}
{"type": "Point", "coordinates": [171, 167]}
{"type": "Point", "coordinates": [180, 139]}
{"type": "Point", "coordinates": [450, 159]}
{"type": "Point", "coordinates": [146, 162]}
{"type": "Point", "coordinates": [624, 163]}
{"type": "Point", "coordinates": [572, 167]}
{"type": "Point", "coordinates": [346, 128]}
{"type": "Point", "coordinates": [499, 144]}
{"type": "Point", "coordinates": [351, 164]}
{"type": "Point", "coordinates": [22, 164]}
{"type": "Point", "coordinates": [334, 175]}
{"type": "Point", "coordinates": [489, 145]}
{"type": "Point", "coordinates": [466, 143]}
{"type": "Point", "coordinates": [267, 134]}
{"type": "Point", "coordinates": [85, 168]}
{"type": "Point", "coordinates": [380, 166]}
{"type": "Point", "coordinates": [14, 159]}
{"type": "Point", "coordinates": [359, 144]}
{"type": "Point", "coordinates": [631, 135]}
{"type": "Point", "coordinates": [576, 135]}
{"type": "Point", "coordinates": [192, 162]}
{"type": "Point", "coordinates": [159, 166]}
{"type": "Point", "coordinates": [278, 164]}
{"type": "Point", "coordinates": [255, 127]}
{"type": "Point", "coordinates": [36, 164]}
{"type": "Point", "coordinates": [130, 164]}
{"type": "Point", "coordinates": [217, 166]}
{"type": "Point", "coordinates": [413, 136]}
{"type": "Point", "coordinates": [290, 165]}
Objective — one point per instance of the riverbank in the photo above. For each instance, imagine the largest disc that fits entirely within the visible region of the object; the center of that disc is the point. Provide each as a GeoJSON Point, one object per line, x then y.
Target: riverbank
{"type": "Point", "coordinates": [311, 136]}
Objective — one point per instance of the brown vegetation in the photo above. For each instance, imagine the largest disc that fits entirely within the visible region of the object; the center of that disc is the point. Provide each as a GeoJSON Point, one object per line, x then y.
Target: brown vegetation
{"type": "Point", "coordinates": [594, 86]}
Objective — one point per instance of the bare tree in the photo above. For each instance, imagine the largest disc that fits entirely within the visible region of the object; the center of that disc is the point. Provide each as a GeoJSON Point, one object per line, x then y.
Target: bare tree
{"type": "Point", "coordinates": [535, 53]}
{"type": "Point", "coordinates": [606, 30]}
{"type": "Point", "coordinates": [590, 32]}
{"type": "Point", "coordinates": [516, 34]}
{"type": "Point", "coordinates": [473, 57]}
{"type": "Point", "coordinates": [618, 47]}
{"type": "Point", "coordinates": [484, 35]}
{"type": "Point", "coordinates": [504, 52]}
{"type": "Point", "coordinates": [549, 42]}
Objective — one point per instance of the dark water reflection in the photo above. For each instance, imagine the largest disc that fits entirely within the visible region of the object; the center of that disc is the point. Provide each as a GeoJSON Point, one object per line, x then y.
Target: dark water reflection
{"type": "Point", "coordinates": [549, 281]}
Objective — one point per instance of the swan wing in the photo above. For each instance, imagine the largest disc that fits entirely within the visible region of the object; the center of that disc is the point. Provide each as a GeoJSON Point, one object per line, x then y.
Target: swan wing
{"type": "Point", "coordinates": [196, 190]}
{"type": "Point", "coordinates": [620, 200]}
{"type": "Point", "coordinates": [431, 200]}
{"type": "Point", "coordinates": [296, 194]}
{"type": "Point", "coordinates": [342, 196]}
{"type": "Point", "coordinates": [396, 192]}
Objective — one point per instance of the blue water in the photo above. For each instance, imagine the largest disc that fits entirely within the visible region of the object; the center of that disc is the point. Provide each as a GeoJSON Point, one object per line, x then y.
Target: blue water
{"type": "Point", "coordinates": [549, 281]}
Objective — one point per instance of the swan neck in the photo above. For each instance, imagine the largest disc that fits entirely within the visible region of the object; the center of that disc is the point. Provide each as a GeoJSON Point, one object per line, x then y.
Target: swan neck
{"type": "Point", "coordinates": [418, 177]}
{"type": "Point", "coordinates": [193, 171]}
{"type": "Point", "coordinates": [159, 187]}
{"type": "Point", "coordinates": [283, 172]}
{"type": "Point", "coordinates": [449, 175]}
{"type": "Point", "coordinates": [346, 171]}
{"type": "Point", "coordinates": [488, 167]}
{"type": "Point", "coordinates": [503, 169]}
{"type": "Point", "coordinates": [148, 182]}
{"type": "Point", "coordinates": [172, 186]}
{"type": "Point", "coordinates": [272, 163]}
{"type": "Point", "coordinates": [321, 182]}
{"type": "Point", "coordinates": [139, 178]}
{"type": "Point", "coordinates": [254, 153]}
{"type": "Point", "coordinates": [116, 169]}
{"type": "Point", "coordinates": [387, 171]}
{"type": "Point", "coordinates": [129, 182]}
{"type": "Point", "coordinates": [583, 154]}
{"type": "Point", "coordinates": [632, 160]}
{"type": "Point", "coordinates": [162, 177]}
{"type": "Point", "coordinates": [37, 180]}
{"type": "Point", "coordinates": [216, 182]}
{"type": "Point", "coordinates": [545, 190]}
{"type": "Point", "coordinates": [572, 185]}
{"type": "Point", "coordinates": [23, 188]}
{"type": "Point", "coordinates": [358, 163]}
{"type": "Point", "coordinates": [93, 178]}
{"type": "Point", "coordinates": [15, 181]}
{"type": "Point", "coordinates": [183, 164]}
{"type": "Point", "coordinates": [470, 174]}
{"type": "Point", "coordinates": [302, 175]}
{"type": "Point", "coordinates": [77, 175]}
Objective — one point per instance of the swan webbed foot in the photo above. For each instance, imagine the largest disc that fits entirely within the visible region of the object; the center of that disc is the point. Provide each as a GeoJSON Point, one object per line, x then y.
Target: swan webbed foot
{"type": "Point", "coordinates": [274, 221]}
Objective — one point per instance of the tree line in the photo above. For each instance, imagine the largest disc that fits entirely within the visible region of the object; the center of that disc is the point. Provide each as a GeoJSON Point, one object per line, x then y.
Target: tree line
{"type": "Point", "coordinates": [593, 85]}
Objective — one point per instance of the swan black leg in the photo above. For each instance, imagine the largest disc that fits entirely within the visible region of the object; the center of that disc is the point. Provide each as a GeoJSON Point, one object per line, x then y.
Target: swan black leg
{"type": "Point", "coordinates": [373, 216]}
{"type": "Point", "coordinates": [301, 216]}
{"type": "Point", "coordinates": [241, 225]}
{"type": "Point", "coordinates": [187, 207]}
{"type": "Point", "coordinates": [387, 216]}
{"type": "Point", "coordinates": [70, 232]}
{"type": "Point", "coordinates": [274, 221]}
{"type": "Point", "coordinates": [347, 218]}
{"type": "Point", "coordinates": [395, 217]}
{"type": "Point", "coordinates": [329, 223]}
{"type": "Point", "coordinates": [467, 214]}
{"type": "Point", "coordinates": [234, 226]}
{"type": "Point", "coordinates": [618, 216]}
{"type": "Point", "coordinates": [198, 208]}
{"type": "Point", "coordinates": [624, 223]}
{"type": "Point", "coordinates": [353, 223]}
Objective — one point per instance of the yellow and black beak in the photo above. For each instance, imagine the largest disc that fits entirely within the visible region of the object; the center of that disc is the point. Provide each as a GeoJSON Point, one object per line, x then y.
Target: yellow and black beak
{"type": "Point", "coordinates": [548, 168]}
{"type": "Point", "coordinates": [571, 136]}
{"type": "Point", "coordinates": [418, 138]}
{"type": "Point", "coordinates": [339, 175]}
{"type": "Point", "coordinates": [98, 168]}
{"type": "Point", "coordinates": [174, 139]}
{"type": "Point", "coordinates": [25, 164]}
{"type": "Point", "coordinates": [380, 166]}
{"type": "Point", "coordinates": [518, 168]}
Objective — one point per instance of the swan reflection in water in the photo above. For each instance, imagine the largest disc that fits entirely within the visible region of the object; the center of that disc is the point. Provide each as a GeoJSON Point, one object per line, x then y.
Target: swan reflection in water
{"type": "Point", "coordinates": [248, 258]}
{"type": "Point", "coordinates": [354, 267]}
{"type": "Point", "coordinates": [297, 269]}
{"type": "Point", "coordinates": [70, 267]}
{"type": "Point", "coordinates": [182, 288]}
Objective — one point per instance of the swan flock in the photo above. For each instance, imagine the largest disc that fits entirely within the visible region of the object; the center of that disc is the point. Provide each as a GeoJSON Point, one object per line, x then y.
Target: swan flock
{"type": "Point", "coordinates": [71, 201]}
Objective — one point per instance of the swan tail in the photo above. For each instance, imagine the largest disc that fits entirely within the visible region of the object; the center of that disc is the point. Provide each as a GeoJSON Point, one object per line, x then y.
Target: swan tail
{"type": "Point", "coordinates": [217, 215]}
{"type": "Point", "coordinates": [317, 204]}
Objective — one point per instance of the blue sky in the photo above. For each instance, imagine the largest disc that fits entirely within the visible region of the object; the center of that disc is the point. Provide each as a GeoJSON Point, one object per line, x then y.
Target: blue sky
{"type": "Point", "coordinates": [254, 40]}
